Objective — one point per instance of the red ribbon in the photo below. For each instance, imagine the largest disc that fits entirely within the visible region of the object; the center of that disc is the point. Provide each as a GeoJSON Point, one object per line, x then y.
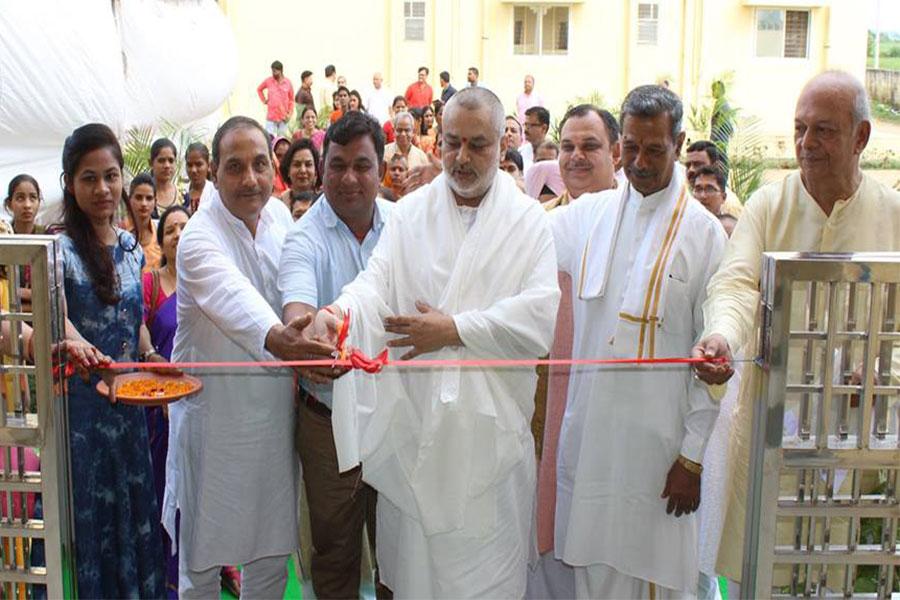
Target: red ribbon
{"type": "Point", "coordinates": [357, 359]}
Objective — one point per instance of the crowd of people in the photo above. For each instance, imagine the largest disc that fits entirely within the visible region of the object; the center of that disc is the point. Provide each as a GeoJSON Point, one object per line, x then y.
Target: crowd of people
{"type": "Point", "coordinates": [448, 229]}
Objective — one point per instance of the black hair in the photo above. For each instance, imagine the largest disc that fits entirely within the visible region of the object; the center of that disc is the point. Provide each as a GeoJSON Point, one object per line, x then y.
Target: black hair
{"type": "Point", "coordinates": [158, 146]}
{"type": "Point", "coordinates": [445, 76]}
{"type": "Point", "coordinates": [423, 129]}
{"type": "Point", "coordinates": [16, 182]}
{"type": "Point", "coordinates": [542, 114]}
{"type": "Point", "coordinates": [141, 179]}
{"type": "Point", "coordinates": [583, 110]}
{"type": "Point", "coordinates": [351, 126]}
{"type": "Point", "coordinates": [715, 170]}
{"type": "Point", "coordinates": [362, 106]}
{"type": "Point", "coordinates": [549, 144]}
{"type": "Point", "coordinates": [304, 197]}
{"type": "Point", "coordinates": [285, 167]}
{"type": "Point", "coordinates": [397, 99]}
{"type": "Point", "coordinates": [711, 149]}
{"type": "Point", "coordinates": [161, 227]}
{"type": "Point", "coordinates": [305, 74]}
{"type": "Point", "coordinates": [474, 70]}
{"type": "Point", "coordinates": [93, 252]}
{"type": "Point", "coordinates": [513, 155]}
{"type": "Point", "coordinates": [238, 122]}
{"type": "Point", "coordinates": [329, 70]}
{"type": "Point", "coordinates": [651, 101]}
{"type": "Point", "coordinates": [342, 88]}
{"type": "Point", "coordinates": [420, 69]}
{"type": "Point", "coordinates": [204, 152]}
{"type": "Point", "coordinates": [198, 147]}
{"type": "Point", "coordinates": [277, 65]}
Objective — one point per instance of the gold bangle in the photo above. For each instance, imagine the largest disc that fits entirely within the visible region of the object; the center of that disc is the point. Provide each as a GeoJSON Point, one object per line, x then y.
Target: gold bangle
{"type": "Point", "coordinates": [689, 465]}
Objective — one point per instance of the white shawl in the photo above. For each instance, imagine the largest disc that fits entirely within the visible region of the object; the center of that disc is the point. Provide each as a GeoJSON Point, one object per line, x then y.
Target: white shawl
{"type": "Point", "coordinates": [436, 441]}
{"type": "Point", "coordinates": [648, 283]}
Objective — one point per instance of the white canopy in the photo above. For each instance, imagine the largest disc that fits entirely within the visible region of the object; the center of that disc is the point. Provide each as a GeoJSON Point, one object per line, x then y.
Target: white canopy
{"type": "Point", "coordinates": [134, 63]}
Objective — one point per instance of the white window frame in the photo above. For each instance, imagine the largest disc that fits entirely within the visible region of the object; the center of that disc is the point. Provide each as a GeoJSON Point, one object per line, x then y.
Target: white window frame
{"type": "Point", "coordinates": [652, 20]}
{"type": "Point", "coordinates": [540, 11]}
{"type": "Point", "coordinates": [409, 17]}
{"type": "Point", "coordinates": [784, 10]}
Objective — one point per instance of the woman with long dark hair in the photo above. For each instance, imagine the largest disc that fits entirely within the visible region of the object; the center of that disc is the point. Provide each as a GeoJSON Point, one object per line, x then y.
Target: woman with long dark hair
{"type": "Point", "coordinates": [118, 548]}
{"type": "Point", "coordinates": [196, 163]}
{"type": "Point", "coordinates": [164, 167]}
{"type": "Point", "coordinates": [140, 207]}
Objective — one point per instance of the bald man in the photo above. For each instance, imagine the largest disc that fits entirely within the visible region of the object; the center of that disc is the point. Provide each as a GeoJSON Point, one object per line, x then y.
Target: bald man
{"type": "Point", "coordinates": [465, 269]}
{"type": "Point", "coordinates": [378, 100]}
{"type": "Point", "coordinates": [828, 205]}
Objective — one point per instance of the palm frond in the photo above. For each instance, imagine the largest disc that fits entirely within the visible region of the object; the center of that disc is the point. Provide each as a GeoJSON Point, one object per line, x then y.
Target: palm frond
{"type": "Point", "coordinates": [746, 157]}
{"type": "Point", "coordinates": [136, 150]}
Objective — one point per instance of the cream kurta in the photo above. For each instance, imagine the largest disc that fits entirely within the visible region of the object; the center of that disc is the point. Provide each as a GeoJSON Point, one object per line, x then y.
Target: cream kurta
{"type": "Point", "coordinates": [415, 158]}
{"type": "Point", "coordinates": [450, 450]}
{"type": "Point", "coordinates": [624, 427]}
{"type": "Point", "coordinates": [781, 217]}
{"type": "Point", "coordinates": [231, 468]}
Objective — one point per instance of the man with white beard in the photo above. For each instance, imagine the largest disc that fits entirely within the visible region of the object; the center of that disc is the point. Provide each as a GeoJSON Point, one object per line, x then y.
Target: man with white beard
{"type": "Point", "coordinates": [465, 269]}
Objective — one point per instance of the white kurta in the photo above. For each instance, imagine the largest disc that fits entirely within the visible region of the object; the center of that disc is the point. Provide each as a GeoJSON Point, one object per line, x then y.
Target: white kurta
{"type": "Point", "coordinates": [231, 468]}
{"type": "Point", "coordinates": [450, 450]}
{"type": "Point", "coordinates": [624, 427]}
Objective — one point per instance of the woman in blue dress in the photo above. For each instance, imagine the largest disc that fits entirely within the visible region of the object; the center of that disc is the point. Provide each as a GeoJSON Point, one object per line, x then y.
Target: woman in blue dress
{"type": "Point", "coordinates": [118, 547]}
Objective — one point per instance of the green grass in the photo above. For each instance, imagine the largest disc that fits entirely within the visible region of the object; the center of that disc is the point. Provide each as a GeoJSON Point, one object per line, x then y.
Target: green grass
{"type": "Point", "coordinates": [888, 63]}
{"type": "Point", "coordinates": [890, 56]}
{"type": "Point", "coordinates": [885, 112]}
{"type": "Point", "coordinates": [291, 592]}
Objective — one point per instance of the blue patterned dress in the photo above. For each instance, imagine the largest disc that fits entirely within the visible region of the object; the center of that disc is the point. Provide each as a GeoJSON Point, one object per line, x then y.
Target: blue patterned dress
{"type": "Point", "coordinates": [117, 541]}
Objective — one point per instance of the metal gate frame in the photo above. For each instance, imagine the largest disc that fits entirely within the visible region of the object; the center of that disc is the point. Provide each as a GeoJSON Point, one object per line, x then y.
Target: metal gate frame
{"type": "Point", "coordinates": [45, 430]}
{"type": "Point", "coordinates": [769, 460]}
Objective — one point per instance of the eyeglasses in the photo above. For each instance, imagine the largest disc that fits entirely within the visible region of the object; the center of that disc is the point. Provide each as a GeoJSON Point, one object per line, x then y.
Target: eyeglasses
{"type": "Point", "coordinates": [706, 190]}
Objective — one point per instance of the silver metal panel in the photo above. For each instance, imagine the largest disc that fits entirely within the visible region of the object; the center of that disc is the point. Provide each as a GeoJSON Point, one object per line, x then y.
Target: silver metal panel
{"type": "Point", "coordinates": [825, 454]}
{"type": "Point", "coordinates": [33, 421]}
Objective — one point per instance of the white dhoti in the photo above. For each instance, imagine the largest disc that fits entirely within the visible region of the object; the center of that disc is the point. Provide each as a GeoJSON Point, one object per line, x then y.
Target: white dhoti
{"type": "Point", "coordinates": [601, 581]}
{"type": "Point", "coordinates": [445, 565]}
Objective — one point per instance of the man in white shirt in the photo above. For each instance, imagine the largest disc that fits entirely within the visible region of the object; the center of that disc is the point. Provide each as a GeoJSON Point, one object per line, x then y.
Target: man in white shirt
{"type": "Point", "coordinates": [589, 149]}
{"type": "Point", "coordinates": [536, 126]}
{"type": "Point", "coordinates": [231, 469]}
{"type": "Point", "coordinates": [527, 98]}
{"type": "Point", "coordinates": [402, 144]}
{"type": "Point", "coordinates": [323, 252]}
{"type": "Point", "coordinates": [628, 471]}
{"type": "Point", "coordinates": [378, 100]}
{"type": "Point", "coordinates": [465, 269]}
{"type": "Point", "coordinates": [327, 89]}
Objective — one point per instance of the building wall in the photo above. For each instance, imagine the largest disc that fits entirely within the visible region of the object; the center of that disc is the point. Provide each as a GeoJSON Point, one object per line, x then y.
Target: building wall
{"type": "Point", "coordinates": [699, 40]}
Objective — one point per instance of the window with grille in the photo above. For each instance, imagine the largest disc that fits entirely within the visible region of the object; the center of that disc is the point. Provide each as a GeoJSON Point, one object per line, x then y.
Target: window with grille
{"type": "Point", "coordinates": [414, 18]}
{"type": "Point", "coordinates": [648, 23]}
{"type": "Point", "coordinates": [782, 33]}
{"type": "Point", "coordinates": [540, 30]}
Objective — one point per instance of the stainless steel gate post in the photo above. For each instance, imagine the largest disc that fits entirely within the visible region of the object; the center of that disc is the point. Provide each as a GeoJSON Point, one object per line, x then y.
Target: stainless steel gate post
{"type": "Point", "coordinates": [825, 451]}
{"type": "Point", "coordinates": [34, 430]}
